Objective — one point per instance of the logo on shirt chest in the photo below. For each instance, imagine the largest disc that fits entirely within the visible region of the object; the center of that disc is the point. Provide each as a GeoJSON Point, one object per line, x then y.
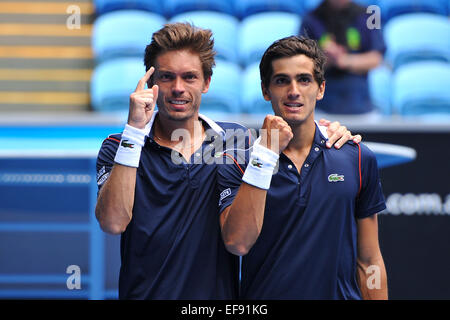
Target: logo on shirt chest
{"type": "Point", "coordinates": [334, 177]}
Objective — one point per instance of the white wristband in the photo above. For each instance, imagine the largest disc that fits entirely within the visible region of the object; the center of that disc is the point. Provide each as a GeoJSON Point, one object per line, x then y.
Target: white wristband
{"type": "Point", "coordinates": [261, 166]}
{"type": "Point", "coordinates": [129, 152]}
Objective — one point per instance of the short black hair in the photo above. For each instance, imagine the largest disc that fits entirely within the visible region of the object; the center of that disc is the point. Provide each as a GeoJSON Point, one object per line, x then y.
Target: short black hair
{"type": "Point", "coordinates": [289, 47]}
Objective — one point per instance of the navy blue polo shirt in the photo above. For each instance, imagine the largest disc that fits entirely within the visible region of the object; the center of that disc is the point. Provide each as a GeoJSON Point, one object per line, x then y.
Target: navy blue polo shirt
{"type": "Point", "coordinates": [172, 248]}
{"type": "Point", "coordinates": [307, 248]}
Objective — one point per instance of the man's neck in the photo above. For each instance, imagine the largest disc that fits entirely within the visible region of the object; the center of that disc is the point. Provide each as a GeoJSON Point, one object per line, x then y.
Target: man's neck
{"type": "Point", "coordinates": [183, 136]}
{"type": "Point", "coordinates": [164, 128]}
{"type": "Point", "coordinates": [303, 136]}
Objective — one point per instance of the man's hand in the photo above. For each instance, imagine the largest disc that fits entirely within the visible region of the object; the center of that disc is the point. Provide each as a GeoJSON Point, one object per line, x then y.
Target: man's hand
{"type": "Point", "coordinates": [142, 102]}
{"type": "Point", "coordinates": [274, 125]}
{"type": "Point", "coordinates": [338, 133]}
{"type": "Point", "coordinates": [334, 52]}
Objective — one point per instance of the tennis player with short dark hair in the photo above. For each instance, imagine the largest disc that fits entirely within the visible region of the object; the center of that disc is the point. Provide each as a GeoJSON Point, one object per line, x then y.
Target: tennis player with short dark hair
{"type": "Point", "coordinates": [308, 228]}
{"type": "Point", "coordinates": [154, 189]}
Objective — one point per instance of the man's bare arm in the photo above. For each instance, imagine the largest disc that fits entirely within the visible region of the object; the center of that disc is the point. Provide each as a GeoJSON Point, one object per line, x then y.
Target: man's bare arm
{"type": "Point", "coordinates": [371, 272]}
{"type": "Point", "coordinates": [116, 198]}
{"type": "Point", "coordinates": [242, 221]}
{"type": "Point", "coordinates": [359, 63]}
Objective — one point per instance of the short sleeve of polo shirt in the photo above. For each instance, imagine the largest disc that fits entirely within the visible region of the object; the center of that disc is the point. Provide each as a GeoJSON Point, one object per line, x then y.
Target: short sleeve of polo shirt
{"type": "Point", "coordinates": [105, 158]}
{"type": "Point", "coordinates": [370, 199]}
{"type": "Point", "coordinates": [231, 171]}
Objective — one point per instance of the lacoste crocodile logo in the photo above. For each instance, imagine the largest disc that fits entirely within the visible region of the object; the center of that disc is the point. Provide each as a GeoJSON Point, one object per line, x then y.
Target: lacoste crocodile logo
{"type": "Point", "coordinates": [126, 145]}
{"type": "Point", "coordinates": [334, 177]}
{"type": "Point", "coordinates": [256, 163]}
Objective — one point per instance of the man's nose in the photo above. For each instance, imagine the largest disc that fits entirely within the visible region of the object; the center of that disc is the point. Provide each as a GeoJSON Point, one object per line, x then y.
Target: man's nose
{"type": "Point", "coordinates": [293, 92]}
{"type": "Point", "coordinates": [178, 86]}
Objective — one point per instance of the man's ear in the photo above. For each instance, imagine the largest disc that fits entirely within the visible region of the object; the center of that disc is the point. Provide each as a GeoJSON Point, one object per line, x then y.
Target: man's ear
{"type": "Point", "coordinates": [321, 91]}
{"type": "Point", "coordinates": [206, 85]}
{"type": "Point", "coordinates": [265, 92]}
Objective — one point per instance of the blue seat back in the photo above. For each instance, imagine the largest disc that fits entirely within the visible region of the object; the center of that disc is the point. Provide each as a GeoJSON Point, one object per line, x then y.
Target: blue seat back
{"type": "Point", "coordinates": [252, 98]}
{"type": "Point", "coordinates": [124, 33]}
{"type": "Point", "coordinates": [259, 31]}
{"type": "Point", "coordinates": [380, 85]}
{"type": "Point", "coordinates": [310, 5]}
{"type": "Point", "coordinates": [224, 91]}
{"type": "Point", "coordinates": [104, 6]}
{"type": "Point", "coordinates": [113, 81]}
{"type": "Point", "coordinates": [394, 8]}
{"type": "Point", "coordinates": [418, 36]}
{"type": "Point", "coordinates": [225, 29]}
{"type": "Point", "coordinates": [422, 88]}
{"type": "Point", "coordinates": [245, 8]}
{"type": "Point", "coordinates": [175, 7]}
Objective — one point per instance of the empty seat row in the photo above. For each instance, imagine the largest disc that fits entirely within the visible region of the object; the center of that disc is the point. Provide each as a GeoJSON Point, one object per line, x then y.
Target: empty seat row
{"type": "Point", "coordinates": [243, 8]}
{"type": "Point", "coordinates": [113, 81]}
{"type": "Point", "coordinates": [417, 88]}
{"type": "Point", "coordinates": [414, 89]}
{"type": "Point", "coordinates": [393, 8]}
{"type": "Point", "coordinates": [417, 36]}
{"type": "Point", "coordinates": [127, 32]}
{"type": "Point", "coordinates": [169, 8]}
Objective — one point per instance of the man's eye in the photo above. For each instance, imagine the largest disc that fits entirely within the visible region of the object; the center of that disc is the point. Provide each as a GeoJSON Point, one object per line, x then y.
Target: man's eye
{"type": "Point", "coordinates": [165, 77]}
{"type": "Point", "coordinates": [281, 81]}
{"type": "Point", "coordinates": [190, 77]}
{"type": "Point", "coordinates": [305, 80]}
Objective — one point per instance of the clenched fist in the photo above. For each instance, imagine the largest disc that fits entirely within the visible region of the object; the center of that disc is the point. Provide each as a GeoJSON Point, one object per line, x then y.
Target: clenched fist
{"type": "Point", "coordinates": [142, 102]}
{"type": "Point", "coordinates": [275, 134]}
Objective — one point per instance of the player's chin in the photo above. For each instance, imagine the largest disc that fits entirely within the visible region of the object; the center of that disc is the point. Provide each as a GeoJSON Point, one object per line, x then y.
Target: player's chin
{"type": "Point", "coordinates": [299, 117]}
{"type": "Point", "coordinates": [181, 115]}
{"type": "Point", "coordinates": [293, 118]}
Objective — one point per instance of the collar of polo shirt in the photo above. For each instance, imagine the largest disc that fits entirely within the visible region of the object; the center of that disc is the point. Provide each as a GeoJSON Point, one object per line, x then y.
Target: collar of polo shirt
{"type": "Point", "coordinates": [209, 121]}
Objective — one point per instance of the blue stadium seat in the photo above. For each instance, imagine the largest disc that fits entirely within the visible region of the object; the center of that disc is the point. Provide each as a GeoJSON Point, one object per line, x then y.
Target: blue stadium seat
{"type": "Point", "coordinates": [252, 99]}
{"type": "Point", "coordinates": [245, 8]}
{"type": "Point", "coordinates": [366, 3]}
{"type": "Point", "coordinates": [260, 30]}
{"type": "Point", "coordinates": [174, 7]}
{"type": "Point", "coordinates": [104, 6]}
{"type": "Point", "coordinates": [380, 84]}
{"type": "Point", "coordinates": [310, 5]}
{"type": "Point", "coordinates": [113, 81]}
{"type": "Point", "coordinates": [417, 36]}
{"type": "Point", "coordinates": [421, 88]}
{"type": "Point", "coordinates": [225, 30]}
{"type": "Point", "coordinates": [124, 33]}
{"type": "Point", "coordinates": [224, 91]}
{"type": "Point", "coordinates": [393, 8]}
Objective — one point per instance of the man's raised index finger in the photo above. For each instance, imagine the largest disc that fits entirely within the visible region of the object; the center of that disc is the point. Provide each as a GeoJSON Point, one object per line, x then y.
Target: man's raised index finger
{"type": "Point", "coordinates": [144, 79]}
